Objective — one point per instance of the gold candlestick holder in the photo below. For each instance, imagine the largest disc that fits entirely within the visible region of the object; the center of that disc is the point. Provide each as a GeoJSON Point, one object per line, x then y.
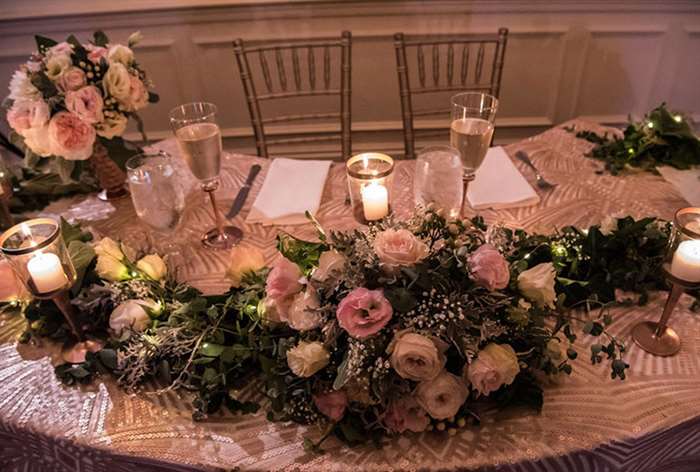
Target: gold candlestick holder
{"type": "Point", "coordinates": [40, 259]}
{"type": "Point", "coordinates": [681, 267]}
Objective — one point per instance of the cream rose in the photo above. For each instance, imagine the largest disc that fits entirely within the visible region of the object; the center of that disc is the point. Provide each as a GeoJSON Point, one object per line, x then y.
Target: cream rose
{"type": "Point", "coordinates": [243, 260]}
{"type": "Point", "coordinates": [330, 265]}
{"type": "Point", "coordinates": [113, 125]}
{"type": "Point", "coordinates": [38, 140]}
{"type": "Point", "coordinates": [71, 137]}
{"type": "Point", "coordinates": [121, 54]}
{"type": "Point", "coordinates": [302, 314]}
{"type": "Point", "coordinates": [57, 65]}
{"type": "Point", "coordinates": [138, 94]}
{"type": "Point", "coordinates": [86, 103]}
{"type": "Point", "coordinates": [537, 284]}
{"type": "Point", "coordinates": [72, 78]}
{"type": "Point", "coordinates": [109, 260]}
{"type": "Point", "coordinates": [416, 357]}
{"type": "Point", "coordinates": [443, 396]}
{"type": "Point", "coordinates": [153, 266]}
{"type": "Point", "coordinates": [399, 247]}
{"type": "Point", "coordinates": [117, 82]}
{"type": "Point", "coordinates": [109, 247]}
{"type": "Point", "coordinates": [307, 358]}
{"type": "Point", "coordinates": [496, 365]}
{"type": "Point", "coordinates": [131, 315]}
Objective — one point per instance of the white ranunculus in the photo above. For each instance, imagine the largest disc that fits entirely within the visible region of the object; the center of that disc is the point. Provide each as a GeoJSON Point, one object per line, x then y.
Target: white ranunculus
{"type": "Point", "coordinates": [330, 265]}
{"type": "Point", "coordinates": [21, 87]}
{"type": "Point", "coordinates": [39, 141]}
{"type": "Point", "coordinates": [496, 365]}
{"type": "Point", "coordinates": [537, 284]}
{"type": "Point", "coordinates": [608, 225]}
{"type": "Point", "coordinates": [153, 266]}
{"type": "Point", "coordinates": [113, 125]}
{"type": "Point", "coordinates": [302, 314]}
{"type": "Point", "coordinates": [243, 260]}
{"type": "Point", "coordinates": [120, 54]}
{"type": "Point", "coordinates": [416, 357]}
{"type": "Point", "coordinates": [132, 315]}
{"type": "Point", "coordinates": [56, 65]}
{"type": "Point", "coordinates": [443, 396]}
{"type": "Point", "coordinates": [307, 358]}
{"type": "Point", "coordinates": [117, 81]}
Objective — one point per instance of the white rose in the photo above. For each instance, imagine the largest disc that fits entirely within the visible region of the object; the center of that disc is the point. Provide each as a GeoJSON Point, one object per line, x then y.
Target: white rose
{"type": "Point", "coordinates": [21, 87]}
{"type": "Point", "coordinates": [443, 396]}
{"type": "Point", "coordinates": [307, 358]}
{"type": "Point", "coordinates": [56, 65]}
{"type": "Point", "coordinates": [113, 125]}
{"type": "Point", "coordinates": [537, 284]}
{"type": "Point", "coordinates": [153, 266]}
{"type": "Point", "coordinates": [121, 54]}
{"type": "Point", "coordinates": [109, 247]}
{"type": "Point", "coordinates": [38, 140]}
{"type": "Point", "coordinates": [496, 365]}
{"type": "Point", "coordinates": [117, 81]}
{"type": "Point", "coordinates": [243, 260]}
{"type": "Point", "coordinates": [416, 357]}
{"type": "Point", "coordinates": [330, 265]}
{"type": "Point", "coordinates": [608, 225]}
{"type": "Point", "coordinates": [132, 315]}
{"type": "Point", "coordinates": [302, 314]}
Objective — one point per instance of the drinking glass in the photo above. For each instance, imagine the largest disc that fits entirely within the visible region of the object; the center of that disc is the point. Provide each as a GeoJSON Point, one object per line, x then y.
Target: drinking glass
{"type": "Point", "coordinates": [471, 130]}
{"type": "Point", "coordinates": [438, 179]}
{"type": "Point", "coordinates": [199, 139]}
{"type": "Point", "coordinates": [157, 194]}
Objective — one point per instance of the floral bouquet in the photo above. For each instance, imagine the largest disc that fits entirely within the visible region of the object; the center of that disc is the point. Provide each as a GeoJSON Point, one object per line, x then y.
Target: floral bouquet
{"type": "Point", "coordinates": [72, 101]}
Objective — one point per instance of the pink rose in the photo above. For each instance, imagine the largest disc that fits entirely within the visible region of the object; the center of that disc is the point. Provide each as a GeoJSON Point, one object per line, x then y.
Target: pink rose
{"type": "Point", "coordinates": [363, 312]}
{"type": "Point", "coordinates": [406, 414]}
{"type": "Point", "coordinates": [71, 138]}
{"type": "Point", "coordinates": [86, 103]}
{"type": "Point", "coordinates": [27, 114]}
{"type": "Point", "coordinates": [332, 404]}
{"type": "Point", "coordinates": [72, 79]}
{"type": "Point", "coordinates": [399, 247]}
{"type": "Point", "coordinates": [488, 268]}
{"type": "Point", "coordinates": [95, 53]}
{"type": "Point", "coordinates": [283, 280]}
{"type": "Point", "coordinates": [496, 365]}
{"type": "Point", "coordinates": [138, 94]}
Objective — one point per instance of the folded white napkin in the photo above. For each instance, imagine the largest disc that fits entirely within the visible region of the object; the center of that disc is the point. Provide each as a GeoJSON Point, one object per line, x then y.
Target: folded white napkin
{"type": "Point", "coordinates": [291, 187]}
{"type": "Point", "coordinates": [687, 182]}
{"type": "Point", "coordinates": [499, 184]}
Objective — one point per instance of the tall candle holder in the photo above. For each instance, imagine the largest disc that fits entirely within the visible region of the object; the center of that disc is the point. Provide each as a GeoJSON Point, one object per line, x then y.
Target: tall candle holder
{"type": "Point", "coordinates": [39, 257]}
{"type": "Point", "coordinates": [370, 176]}
{"type": "Point", "coordinates": [681, 267]}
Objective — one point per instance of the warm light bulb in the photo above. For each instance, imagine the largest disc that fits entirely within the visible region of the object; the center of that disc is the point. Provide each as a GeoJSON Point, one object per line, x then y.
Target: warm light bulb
{"type": "Point", "coordinates": [650, 124]}
{"type": "Point", "coordinates": [678, 118]}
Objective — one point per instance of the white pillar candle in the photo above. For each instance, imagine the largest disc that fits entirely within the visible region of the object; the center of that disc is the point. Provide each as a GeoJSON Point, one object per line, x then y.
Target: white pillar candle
{"type": "Point", "coordinates": [46, 272]}
{"type": "Point", "coordinates": [375, 201]}
{"type": "Point", "coordinates": [685, 264]}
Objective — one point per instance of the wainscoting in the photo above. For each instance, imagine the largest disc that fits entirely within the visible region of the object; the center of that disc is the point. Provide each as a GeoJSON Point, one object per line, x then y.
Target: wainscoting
{"type": "Point", "coordinates": [599, 59]}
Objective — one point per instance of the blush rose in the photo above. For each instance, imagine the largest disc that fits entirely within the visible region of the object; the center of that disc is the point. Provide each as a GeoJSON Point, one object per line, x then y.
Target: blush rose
{"type": "Point", "coordinates": [399, 247]}
{"type": "Point", "coordinates": [71, 138]}
{"type": "Point", "coordinates": [488, 268]}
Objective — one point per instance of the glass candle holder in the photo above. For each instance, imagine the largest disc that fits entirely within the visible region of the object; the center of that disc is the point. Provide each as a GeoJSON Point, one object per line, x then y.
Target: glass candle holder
{"type": "Point", "coordinates": [681, 266]}
{"type": "Point", "coordinates": [370, 177]}
{"type": "Point", "coordinates": [6, 219]}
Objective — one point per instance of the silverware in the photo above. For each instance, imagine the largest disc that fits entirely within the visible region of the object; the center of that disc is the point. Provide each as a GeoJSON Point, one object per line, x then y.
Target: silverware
{"type": "Point", "coordinates": [239, 201]}
{"type": "Point", "coordinates": [541, 182]}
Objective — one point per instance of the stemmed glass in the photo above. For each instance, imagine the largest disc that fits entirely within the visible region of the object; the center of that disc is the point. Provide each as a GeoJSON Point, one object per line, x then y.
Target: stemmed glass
{"type": "Point", "coordinates": [471, 129]}
{"type": "Point", "coordinates": [158, 195]}
{"type": "Point", "coordinates": [199, 138]}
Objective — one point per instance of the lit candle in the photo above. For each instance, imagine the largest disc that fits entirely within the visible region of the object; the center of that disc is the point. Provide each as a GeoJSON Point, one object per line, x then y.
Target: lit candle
{"type": "Point", "coordinates": [375, 201]}
{"type": "Point", "coordinates": [46, 272]}
{"type": "Point", "coordinates": [686, 261]}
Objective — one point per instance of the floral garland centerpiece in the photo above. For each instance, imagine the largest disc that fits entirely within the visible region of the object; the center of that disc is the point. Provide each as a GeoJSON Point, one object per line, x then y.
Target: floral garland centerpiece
{"type": "Point", "coordinates": [71, 102]}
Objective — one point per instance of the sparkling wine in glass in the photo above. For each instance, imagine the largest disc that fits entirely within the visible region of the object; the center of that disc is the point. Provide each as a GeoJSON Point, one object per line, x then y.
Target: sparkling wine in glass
{"type": "Point", "coordinates": [471, 130]}
{"type": "Point", "coordinates": [199, 138]}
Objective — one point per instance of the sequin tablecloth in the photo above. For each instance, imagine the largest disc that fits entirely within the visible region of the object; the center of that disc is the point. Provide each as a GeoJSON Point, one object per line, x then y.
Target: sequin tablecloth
{"type": "Point", "coordinates": [650, 422]}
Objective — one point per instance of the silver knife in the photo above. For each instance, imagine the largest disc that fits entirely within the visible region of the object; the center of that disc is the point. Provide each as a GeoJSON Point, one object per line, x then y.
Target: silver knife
{"type": "Point", "coordinates": [243, 192]}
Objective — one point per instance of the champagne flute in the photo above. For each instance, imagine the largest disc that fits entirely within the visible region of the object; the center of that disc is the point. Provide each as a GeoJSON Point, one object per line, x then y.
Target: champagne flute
{"type": "Point", "coordinates": [157, 194]}
{"type": "Point", "coordinates": [199, 139]}
{"type": "Point", "coordinates": [471, 129]}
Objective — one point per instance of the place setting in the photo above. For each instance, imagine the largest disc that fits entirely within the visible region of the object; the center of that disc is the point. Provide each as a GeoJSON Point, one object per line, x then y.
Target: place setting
{"type": "Point", "coordinates": [191, 304]}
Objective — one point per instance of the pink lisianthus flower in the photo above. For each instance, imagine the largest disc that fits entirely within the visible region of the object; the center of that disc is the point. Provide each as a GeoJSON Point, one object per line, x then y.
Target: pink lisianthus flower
{"type": "Point", "coordinates": [363, 313]}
